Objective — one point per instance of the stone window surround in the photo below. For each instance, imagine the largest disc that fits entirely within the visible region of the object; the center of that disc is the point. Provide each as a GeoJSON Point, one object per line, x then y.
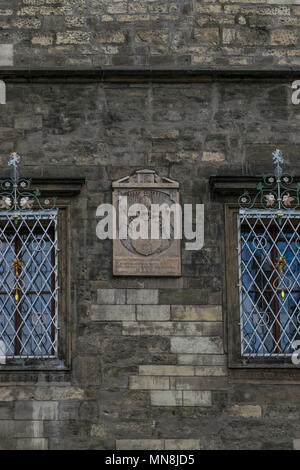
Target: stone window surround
{"type": "Point", "coordinates": [63, 190]}
{"type": "Point", "coordinates": [227, 189]}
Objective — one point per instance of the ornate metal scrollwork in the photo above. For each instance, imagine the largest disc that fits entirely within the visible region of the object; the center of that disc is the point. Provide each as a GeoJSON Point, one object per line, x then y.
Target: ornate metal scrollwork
{"type": "Point", "coordinates": [15, 193]}
{"type": "Point", "coordinates": [276, 191]}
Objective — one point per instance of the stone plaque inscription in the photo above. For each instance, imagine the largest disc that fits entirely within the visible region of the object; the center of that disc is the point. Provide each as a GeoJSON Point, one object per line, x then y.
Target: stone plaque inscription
{"type": "Point", "coordinates": [146, 255]}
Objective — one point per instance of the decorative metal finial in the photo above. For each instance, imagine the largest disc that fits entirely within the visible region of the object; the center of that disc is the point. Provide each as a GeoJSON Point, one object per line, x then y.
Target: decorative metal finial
{"type": "Point", "coordinates": [15, 195]}
{"type": "Point", "coordinates": [278, 157]}
{"type": "Point", "coordinates": [276, 192]}
{"type": "Point", "coordinates": [14, 159]}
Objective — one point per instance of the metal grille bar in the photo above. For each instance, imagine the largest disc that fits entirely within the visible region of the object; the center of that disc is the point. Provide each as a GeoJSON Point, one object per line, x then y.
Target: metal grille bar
{"type": "Point", "coordinates": [28, 284]}
{"type": "Point", "coordinates": [269, 276]}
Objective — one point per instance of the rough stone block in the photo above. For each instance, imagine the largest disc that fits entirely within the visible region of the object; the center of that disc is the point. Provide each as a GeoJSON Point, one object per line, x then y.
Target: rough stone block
{"type": "Point", "coordinates": [245, 411]}
{"type": "Point", "coordinates": [198, 383]}
{"type": "Point", "coordinates": [202, 359]}
{"type": "Point", "coordinates": [207, 371]}
{"type": "Point", "coordinates": [142, 296]}
{"type": "Point", "coordinates": [111, 296]}
{"type": "Point", "coordinates": [196, 312]}
{"type": "Point", "coordinates": [36, 410]}
{"type": "Point", "coordinates": [6, 55]}
{"type": "Point", "coordinates": [32, 444]}
{"type": "Point", "coordinates": [283, 37]}
{"type": "Point", "coordinates": [202, 345]}
{"type": "Point", "coordinates": [197, 398]}
{"type": "Point", "coordinates": [173, 328]}
{"type": "Point", "coordinates": [167, 370]}
{"type": "Point", "coordinates": [139, 444]}
{"type": "Point", "coordinates": [20, 428]}
{"type": "Point", "coordinates": [113, 313]}
{"type": "Point", "coordinates": [6, 394]}
{"type": "Point", "coordinates": [182, 444]}
{"type": "Point", "coordinates": [153, 312]}
{"type": "Point", "coordinates": [296, 444]}
{"type": "Point", "coordinates": [149, 383]}
{"type": "Point", "coordinates": [209, 36]}
{"type": "Point", "coordinates": [29, 122]}
{"type": "Point", "coordinates": [166, 398]}
{"type": "Point", "coordinates": [213, 157]}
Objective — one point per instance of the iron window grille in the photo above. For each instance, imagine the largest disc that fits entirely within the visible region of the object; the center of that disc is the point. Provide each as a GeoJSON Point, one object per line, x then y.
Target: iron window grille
{"type": "Point", "coordinates": [269, 266]}
{"type": "Point", "coordinates": [28, 271]}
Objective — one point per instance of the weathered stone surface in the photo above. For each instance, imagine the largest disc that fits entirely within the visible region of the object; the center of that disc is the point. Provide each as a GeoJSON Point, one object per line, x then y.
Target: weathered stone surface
{"type": "Point", "coordinates": [192, 345]}
{"type": "Point", "coordinates": [32, 444]}
{"type": "Point", "coordinates": [121, 328]}
{"type": "Point", "coordinates": [202, 359]}
{"type": "Point", "coordinates": [111, 296]}
{"type": "Point", "coordinates": [246, 411]}
{"type": "Point", "coordinates": [36, 410]}
{"type": "Point", "coordinates": [113, 312]}
{"type": "Point", "coordinates": [142, 296]}
{"type": "Point", "coordinates": [172, 328]}
{"type": "Point", "coordinates": [166, 370]}
{"type": "Point", "coordinates": [6, 55]}
{"type": "Point", "coordinates": [166, 398]}
{"type": "Point", "coordinates": [296, 444]}
{"type": "Point", "coordinates": [19, 428]}
{"type": "Point", "coordinates": [196, 313]}
{"type": "Point", "coordinates": [199, 383]}
{"type": "Point", "coordinates": [144, 253]}
{"type": "Point", "coordinates": [153, 313]}
{"type": "Point", "coordinates": [182, 444]}
{"type": "Point", "coordinates": [139, 444]}
{"type": "Point", "coordinates": [149, 383]}
{"type": "Point", "coordinates": [197, 398]}
{"type": "Point", "coordinates": [135, 34]}
{"type": "Point", "coordinates": [210, 371]}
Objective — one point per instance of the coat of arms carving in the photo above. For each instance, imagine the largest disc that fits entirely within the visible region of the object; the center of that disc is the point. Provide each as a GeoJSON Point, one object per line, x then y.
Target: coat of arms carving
{"type": "Point", "coordinates": [146, 255]}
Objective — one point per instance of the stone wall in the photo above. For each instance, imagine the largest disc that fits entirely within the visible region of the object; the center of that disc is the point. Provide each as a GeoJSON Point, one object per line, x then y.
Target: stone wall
{"type": "Point", "coordinates": [149, 364]}
{"type": "Point", "coordinates": [150, 33]}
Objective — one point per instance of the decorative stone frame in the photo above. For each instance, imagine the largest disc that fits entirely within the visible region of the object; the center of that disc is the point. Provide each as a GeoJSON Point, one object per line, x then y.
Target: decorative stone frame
{"type": "Point", "coordinates": [227, 190]}
{"type": "Point", "coordinates": [128, 261]}
{"type": "Point", "coordinates": [64, 191]}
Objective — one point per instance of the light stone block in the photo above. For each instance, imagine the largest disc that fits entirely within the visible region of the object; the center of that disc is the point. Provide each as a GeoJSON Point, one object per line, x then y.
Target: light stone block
{"type": "Point", "coordinates": [246, 411]}
{"type": "Point", "coordinates": [111, 296]}
{"type": "Point", "coordinates": [197, 398]}
{"type": "Point", "coordinates": [206, 371]}
{"type": "Point", "coordinates": [182, 444]}
{"type": "Point", "coordinates": [153, 312]}
{"type": "Point", "coordinates": [139, 444]}
{"type": "Point", "coordinates": [167, 370]}
{"type": "Point", "coordinates": [149, 383]}
{"type": "Point", "coordinates": [113, 313]}
{"type": "Point", "coordinates": [201, 345]}
{"type": "Point", "coordinates": [166, 398]}
{"type": "Point", "coordinates": [196, 313]}
{"type": "Point", "coordinates": [6, 55]}
{"type": "Point", "coordinates": [142, 296]}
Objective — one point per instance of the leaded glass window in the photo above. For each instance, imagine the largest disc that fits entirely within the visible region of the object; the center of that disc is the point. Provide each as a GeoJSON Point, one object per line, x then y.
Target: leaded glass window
{"type": "Point", "coordinates": [269, 267]}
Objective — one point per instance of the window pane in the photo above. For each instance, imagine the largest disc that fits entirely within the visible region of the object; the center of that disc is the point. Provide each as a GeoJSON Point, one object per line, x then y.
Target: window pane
{"type": "Point", "coordinates": [28, 284]}
{"type": "Point", "coordinates": [269, 273]}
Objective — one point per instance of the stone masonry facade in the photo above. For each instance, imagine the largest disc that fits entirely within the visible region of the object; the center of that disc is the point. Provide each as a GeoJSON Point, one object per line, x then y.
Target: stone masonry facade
{"type": "Point", "coordinates": [149, 365]}
{"type": "Point", "coordinates": [180, 33]}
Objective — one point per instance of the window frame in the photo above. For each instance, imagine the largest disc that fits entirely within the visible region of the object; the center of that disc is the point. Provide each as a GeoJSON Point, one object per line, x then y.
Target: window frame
{"type": "Point", "coordinates": [63, 360]}
{"type": "Point", "coordinates": [232, 303]}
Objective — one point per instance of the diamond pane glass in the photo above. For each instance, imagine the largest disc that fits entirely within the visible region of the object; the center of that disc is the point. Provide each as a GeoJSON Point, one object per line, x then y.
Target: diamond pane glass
{"type": "Point", "coordinates": [28, 284]}
{"type": "Point", "coordinates": [269, 277]}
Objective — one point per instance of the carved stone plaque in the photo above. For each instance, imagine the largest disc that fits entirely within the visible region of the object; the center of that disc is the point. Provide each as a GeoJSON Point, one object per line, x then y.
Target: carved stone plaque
{"type": "Point", "coordinates": [147, 256]}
